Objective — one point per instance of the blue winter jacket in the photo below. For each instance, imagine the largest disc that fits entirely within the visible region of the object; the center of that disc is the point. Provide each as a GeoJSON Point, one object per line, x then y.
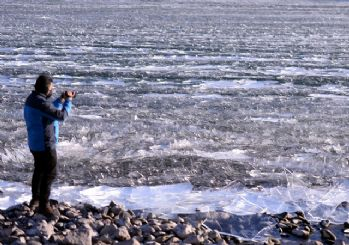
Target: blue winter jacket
{"type": "Point", "coordinates": [41, 117]}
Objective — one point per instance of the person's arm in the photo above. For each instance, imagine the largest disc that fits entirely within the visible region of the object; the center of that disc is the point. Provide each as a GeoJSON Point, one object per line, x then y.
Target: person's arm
{"type": "Point", "coordinates": [53, 113]}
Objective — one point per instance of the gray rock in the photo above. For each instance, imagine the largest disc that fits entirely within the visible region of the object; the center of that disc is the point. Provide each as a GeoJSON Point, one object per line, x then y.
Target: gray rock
{"type": "Point", "coordinates": [273, 241]}
{"type": "Point", "coordinates": [301, 233]}
{"type": "Point", "coordinates": [130, 242]}
{"type": "Point", "coordinates": [83, 236]}
{"type": "Point", "coordinates": [17, 232]}
{"type": "Point", "coordinates": [222, 242]}
{"type": "Point", "coordinates": [71, 226]}
{"type": "Point", "coordinates": [136, 222]}
{"type": "Point", "coordinates": [123, 222]}
{"type": "Point", "coordinates": [346, 231]}
{"type": "Point", "coordinates": [109, 230]}
{"type": "Point", "coordinates": [328, 235]}
{"type": "Point", "coordinates": [325, 223]}
{"type": "Point", "coordinates": [122, 234]}
{"type": "Point", "coordinates": [173, 240]}
{"type": "Point", "coordinates": [163, 238]}
{"type": "Point", "coordinates": [168, 226]}
{"type": "Point", "coordinates": [105, 239]}
{"type": "Point", "coordinates": [98, 225]}
{"type": "Point", "coordinates": [33, 242]}
{"type": "Point", "coordinates": [152, 243]}
{"type": "Point", "coordinates": [125, 215]}
{"type": "Point", "coordinates": [59, 225]}
{"type": "Point", "coordinates": [71, 214]}
{"type": "Point", "coordinates": [2, 217]}
{"type": "Point", "coordinates": [214, 235]}
{"type": "Point", "coordinates": [179, 220]}
{"type": "Point", "coordinates": [19, 241]}
{"type": "Point", "coordinates": [151, 216]}
{"type": "Point", "coordinates": [148, 237]}
{"type": "Point", "coordinates": [135, 231]}
{"type": "Point", "coordinates": [63, 218]}
{"type": "Point", "coordinates": [42, 228]}
{"type": "Point", "coordinates": [183, 230]}
{"type": "Point", "coordinates": [147, 229]}
{"type": "Point", "coordinates": [194, 239]}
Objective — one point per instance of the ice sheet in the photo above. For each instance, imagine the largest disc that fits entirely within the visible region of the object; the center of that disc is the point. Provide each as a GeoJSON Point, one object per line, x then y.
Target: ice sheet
{"type": "Point", "coordinates": [317, 203]}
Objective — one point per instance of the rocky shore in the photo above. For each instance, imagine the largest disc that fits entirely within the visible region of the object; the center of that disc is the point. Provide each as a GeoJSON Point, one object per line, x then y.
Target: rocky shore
{"type": "Point", "coordinates": [85, 224]}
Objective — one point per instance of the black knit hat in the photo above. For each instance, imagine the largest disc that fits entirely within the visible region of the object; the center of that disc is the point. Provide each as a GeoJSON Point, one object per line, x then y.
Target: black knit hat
{"type": "Point", "coordinates": [42, 83]}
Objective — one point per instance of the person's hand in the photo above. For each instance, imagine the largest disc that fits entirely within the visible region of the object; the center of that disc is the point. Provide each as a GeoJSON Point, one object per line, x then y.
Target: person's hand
{"type": "Point", "coordinates": [69, 94]}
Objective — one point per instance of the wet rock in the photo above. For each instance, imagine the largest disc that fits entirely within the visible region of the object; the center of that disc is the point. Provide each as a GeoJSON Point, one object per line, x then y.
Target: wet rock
{"type": "Point", "coordinates": [343, 206]}
{"type": "Point", "coordinates": [122, 234]}
{"type": "Point", "coordinates": [194, 239]}
{"type": "Point", "coordinates": [273, 241]}
{"type": "Point", "coordinates": [301, 233]}
{"type": "Point", "coordinates": [300, 214]}
{"type": "Point", "coordinates": [17, 232]}
{"type": "Point", "coordinates": [33, 242]}
{"type": "Point", "coordinates": [315, 243]}
{"type": "Point", "coordinates": [284, 215]}
{"type": "Point", "coordinates": [222, 242]}
{"type": "Point", "coordinates": [346, 231]}
{"type": "Point", "coordinates": [19, 241]}
{"type": "Point", "coordinates": [183, 230]}
{"type": "Point", "coordinates": [129, 242]}
{"type": "Point", "coordinates": [340, 242]}
{"type": "Point", "coordinates": [214, 235]}
{"type": "Point", "coordinates": [328, 235]}
{"type": "Point", "coordinates": [346, 225]}
{"type": "Point", "coordinates": [151, 216]}
{"type": "Point", "coordinates": [152, 243]}
{"type": "Point", "coordinates": [325, 223]}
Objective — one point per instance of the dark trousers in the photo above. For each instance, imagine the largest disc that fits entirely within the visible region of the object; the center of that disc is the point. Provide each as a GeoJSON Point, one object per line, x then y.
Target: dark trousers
{"type": "Point", "coordinates": [45, 172]}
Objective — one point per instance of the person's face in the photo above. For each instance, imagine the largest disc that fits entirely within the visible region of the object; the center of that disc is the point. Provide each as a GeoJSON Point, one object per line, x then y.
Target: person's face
{"type": "Point", "coordinates": [50, 91]}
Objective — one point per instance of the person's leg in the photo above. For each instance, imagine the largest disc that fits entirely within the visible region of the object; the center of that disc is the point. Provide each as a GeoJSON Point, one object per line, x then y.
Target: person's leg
{"type": "Point", "coordinates": [39, 161]}
{"type": "Point", "coordinates": [49, 174]}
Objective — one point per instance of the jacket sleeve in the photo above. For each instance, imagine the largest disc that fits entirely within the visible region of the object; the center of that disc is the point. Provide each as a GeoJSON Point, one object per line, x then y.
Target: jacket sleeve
{"type": "Point", "coordinates": [51, 112]}
{"type": "Point", "coordinates": [58, 104]}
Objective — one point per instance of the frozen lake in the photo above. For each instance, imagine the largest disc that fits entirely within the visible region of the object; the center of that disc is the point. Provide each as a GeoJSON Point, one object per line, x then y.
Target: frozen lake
{"type": "Point", "coordinates": [195, 99]}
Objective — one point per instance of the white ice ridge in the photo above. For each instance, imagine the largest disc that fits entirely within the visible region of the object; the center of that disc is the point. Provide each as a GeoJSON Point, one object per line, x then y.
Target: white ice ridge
{"type": "Point", "coordinates": [317, 203]}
